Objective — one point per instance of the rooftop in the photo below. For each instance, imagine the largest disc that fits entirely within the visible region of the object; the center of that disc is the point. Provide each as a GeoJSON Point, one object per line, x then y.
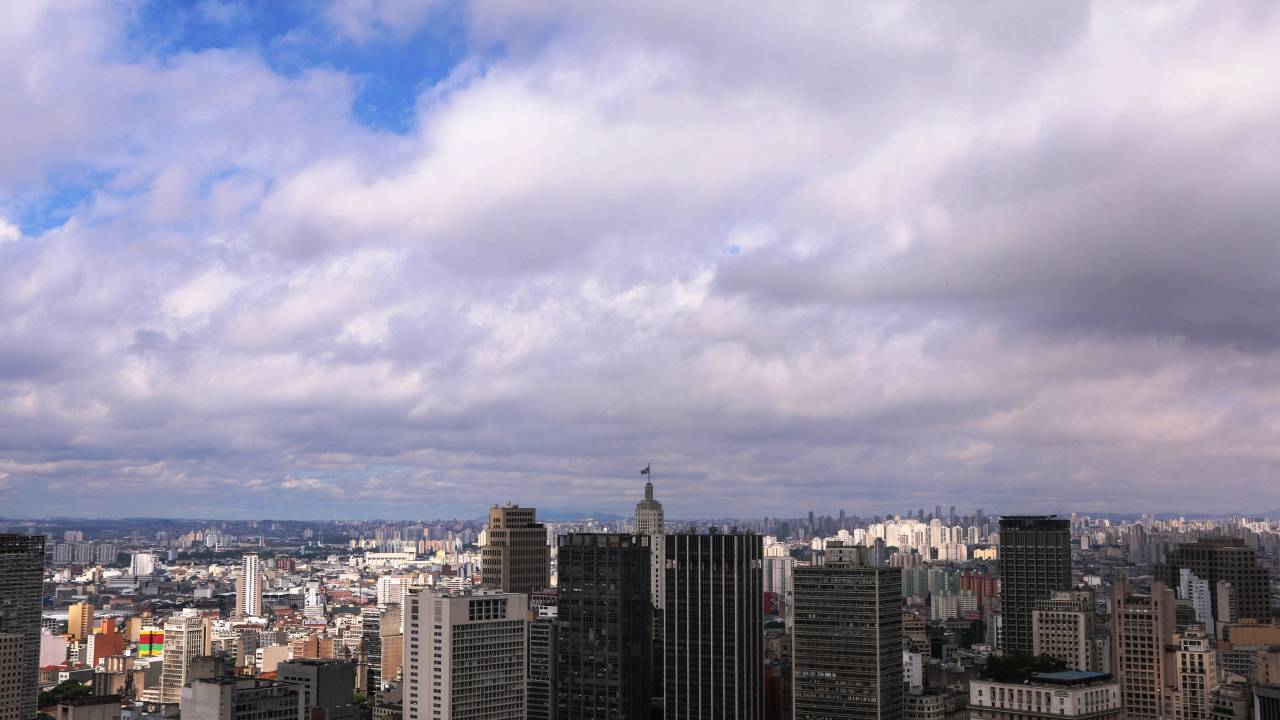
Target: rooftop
{"type": "Point", "coordinates": [1071, 677]}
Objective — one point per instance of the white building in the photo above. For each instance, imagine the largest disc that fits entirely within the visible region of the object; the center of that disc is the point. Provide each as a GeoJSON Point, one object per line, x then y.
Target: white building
{"type": "Point", "coordinates": [142, 564]}
{"type": "Point", "coordinates": [249, 591]}
{"type": "Point", "coordinates": [1070, 694]}
{"type": "Point", "coordinates": [183, 642]}
{"type": "Point", "coordinates": [464, 655]}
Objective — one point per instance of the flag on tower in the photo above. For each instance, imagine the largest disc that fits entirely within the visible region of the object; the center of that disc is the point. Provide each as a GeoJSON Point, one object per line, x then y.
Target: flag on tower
{"type": "Point", "coordinates": [645, 471]}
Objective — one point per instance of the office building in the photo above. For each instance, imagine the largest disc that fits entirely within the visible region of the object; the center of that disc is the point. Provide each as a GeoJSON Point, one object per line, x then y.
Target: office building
{"type": "Point", "coordinates": [605, 627]}
{"type": "Point", "coordinates": [1215, 560]}
{"type": "Point", "coordinates": [847, 640]}
{"type": "Point", "coordinates": [516, 557]}
{"type": "Point", "coordinates": [1266, 702]}
{"type": "Point", "coordinates": [325, 687]}
{"type": "Point", "coordinates": [713, 630]}
{"type": "Point", "coordinates": [1062, 626]}
{"type": "Point", "coordinates": [1035, 562]}
{"type": "Point", "coordinates": [465, 655]}
{"type": "Point", "coordinates": [239, 699]}
{"type": "Point", "coordinates": [1071, 694]}
{"type": "Point", "coordinates": [1142, 628]}
{"type": "Point", "coordinates": [11, 676]}
{"type": "Point", "coordinates": [650, 521]}
{"type": "Point", "coordinates": [1197, 676]}
{"type": "Point", "coordinates": [21, 598]}
{"type": "Point", "coordinates": [381, 645]}
{"type": "Point", "coordinates": [249, 587]}
{"type": "Point", "coordinates": [183, 643]}
{"type": "Point", "coordinates": [542, 697]}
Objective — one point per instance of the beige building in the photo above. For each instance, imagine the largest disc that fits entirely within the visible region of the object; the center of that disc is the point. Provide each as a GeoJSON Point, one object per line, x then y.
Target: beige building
{"type": "Point", "coordinates": [79, 621]}
{"type": "Point", "coordinates": [1197, 675]}
{"type": "Point", "coordinates": [1062, 627]}
{"type": "Point", "coordinates": [183, 642]}
{"type": "Point", "coordinates": [1142, 629]}
{"type": "Point", "coordinates": [516, 557]}
{"type": "Point", "coordinates": [464, 655]}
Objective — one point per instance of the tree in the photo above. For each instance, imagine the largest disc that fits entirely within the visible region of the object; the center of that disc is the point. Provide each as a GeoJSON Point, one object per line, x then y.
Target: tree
{"type": "Point", "coordinates": [1019, 667]}
{"type": "Point", "coordinates": [66, 690]}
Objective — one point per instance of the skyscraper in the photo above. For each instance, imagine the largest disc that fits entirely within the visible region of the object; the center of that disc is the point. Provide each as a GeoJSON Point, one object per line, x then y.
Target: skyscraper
{"type": "Point", "coordinates": [847, 647]}
{"type": "Point", "coordinates": [21, 590]}
{"type": "Point", "coordinates": [1141, 636]}
{"type": "Point", "coordinates": [1218, 559]}
{"type": "Point", "coordinates": [183, 642]}
{"type": "Point", "coordinates": [713, 628]}
{"type": "Point", "coordinates": [605, 627]}
{"type": "Point", "coordinates": [1035, 561]}
{"type": "Point", "coordinates": [1062, 627]}
{"type": "Point", "coordinates": [516, 557]}
{"type": "Point", "coordinates": [464, 655]}
{"type": "Point", "coordinates": [249, 587]}
{"type": "Point", "coordinates": [650, 521]}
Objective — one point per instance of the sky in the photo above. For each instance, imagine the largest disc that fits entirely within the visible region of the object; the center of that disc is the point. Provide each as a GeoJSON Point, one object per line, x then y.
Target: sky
{"type": "Point", "coordinates": [389, 259]}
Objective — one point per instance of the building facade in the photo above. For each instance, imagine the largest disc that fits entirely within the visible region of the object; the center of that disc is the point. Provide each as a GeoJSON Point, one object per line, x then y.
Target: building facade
{"type": "Point", "coordinates": [325, 687]}
{"type": "Point", "coordinates": [249, 588]}
{"type": "Point", "coordinates": [1197, 676]}
{"type": "Point", "coordinates": [516, 557]}
{"type": "Point", "coordinates": [543, 674]}
{"type": "Point", "coordinates": [239, 699]}
{"type": "Point", "coordinates": [1035, 562]}
{"type": "Point", "coordinates": [1142, 627]}
{"type": "Point", "coordinates": [1062, 626]}
{"type": "Point", "coordinates": [465, 655]}
{"type": "Point", "coordinates": [847, 641]}
{"type": "Point", "coordinates": [183, 642]}
{"type": "Point", "coordinates": [713, 629]}
{"type": "Point", "coordinates": [605, 626]}
{"type": "Point", "coordinates": [1229, 560]}
{"type": "Point", "coordinates": [1071, 694]}
{"type": "Point", "coordinates": [21, 598]}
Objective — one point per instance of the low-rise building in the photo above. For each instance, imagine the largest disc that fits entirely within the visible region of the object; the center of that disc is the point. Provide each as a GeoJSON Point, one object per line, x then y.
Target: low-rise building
{"type": "Point", "coordinates": [1071, 694]}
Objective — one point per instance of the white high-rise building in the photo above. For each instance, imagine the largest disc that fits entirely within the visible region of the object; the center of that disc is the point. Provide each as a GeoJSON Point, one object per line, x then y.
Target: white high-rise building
{"type": "Point", "coordinates": [464, 655]}
{"type": "Point", "coordinates": [249, 590]}
{"type": "Point", "coordinates": [183, 642]}
{"type": "Point", "coordinates": [650, 521]}
{"type": "Point", "coordinates": [142, 563]}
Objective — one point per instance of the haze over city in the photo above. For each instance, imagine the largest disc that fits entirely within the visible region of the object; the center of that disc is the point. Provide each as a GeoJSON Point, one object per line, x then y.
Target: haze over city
{"type": "Point", "coordinates": [386, 259]}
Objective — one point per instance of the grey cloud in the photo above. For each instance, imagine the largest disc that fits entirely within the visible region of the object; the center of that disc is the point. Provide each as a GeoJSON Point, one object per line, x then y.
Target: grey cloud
{"type": "Point", "coordinates": [868, 256]}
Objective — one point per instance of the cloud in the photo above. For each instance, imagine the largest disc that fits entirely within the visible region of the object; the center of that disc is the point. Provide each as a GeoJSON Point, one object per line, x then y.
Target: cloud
{"type": "Point", "coordinates": [859, 256]}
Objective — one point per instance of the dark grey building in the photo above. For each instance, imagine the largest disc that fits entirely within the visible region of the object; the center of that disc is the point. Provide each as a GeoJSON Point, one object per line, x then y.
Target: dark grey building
{"type": "Point", "coordinates": [1217, 559]}
{"type": "Point", "coordinates": [542, 693]}
{"type": "Point", "coordinates": [847, 640]}
{"type": "Point", "coordinates": [1266, 702]}
{"type": "Point", "coordinates": [325, 687]}
{"type": "Point", "coordinates": [21, 591]}
{"type": "Point", "coordinates": [714, 627]}
{"type": "Point", "coordinates": [604, 627]}
{"type": "Point", "coordinates": [1035, 561]}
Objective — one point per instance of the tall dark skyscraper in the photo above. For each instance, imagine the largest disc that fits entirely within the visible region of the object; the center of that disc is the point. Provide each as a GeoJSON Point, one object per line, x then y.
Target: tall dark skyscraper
{"type": "Point", "coordinates": [713, 631]}
{"type": "Point", "coordinates": [21, 590]}
{"type": "Point", "coordinates": [1223, 559]}
{"type": "Point", "coordinates": [516, 557]}
{"type": "Point", "coordinates": [1035, 561]}
{"type": "Point", "coordinates": [604, 636]}
{"type": "Point", "coordinates": [847, 647]}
